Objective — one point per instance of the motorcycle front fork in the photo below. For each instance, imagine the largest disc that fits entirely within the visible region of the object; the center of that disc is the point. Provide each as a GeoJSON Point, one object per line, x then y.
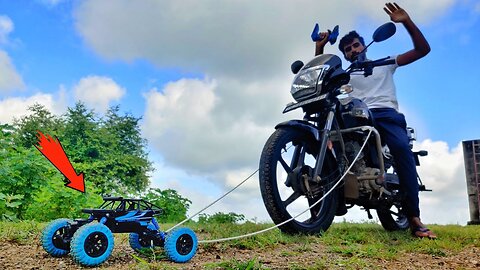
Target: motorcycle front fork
{"type": "Point", "coordinates": [323, 145]}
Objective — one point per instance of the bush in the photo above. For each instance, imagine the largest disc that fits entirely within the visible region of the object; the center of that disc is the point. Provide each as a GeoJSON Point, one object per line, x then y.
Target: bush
{"type": "Point", "coordinates": [9, 205]}
{"type": "Point", "coordinates": [220, 217]}
{"type": "Point", "coordinates": [174, 206]}
{"type": "Point", "coordinates": [55, 201]}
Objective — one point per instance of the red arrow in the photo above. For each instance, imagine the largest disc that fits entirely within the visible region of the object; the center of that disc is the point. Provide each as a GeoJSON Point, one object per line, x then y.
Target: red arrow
{"type": "Point", "coordinates": [53, 151]}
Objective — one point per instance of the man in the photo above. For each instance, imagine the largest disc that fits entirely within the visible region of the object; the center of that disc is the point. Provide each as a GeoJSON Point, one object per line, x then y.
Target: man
{"type": "Point", "coordinates": [378, 92]}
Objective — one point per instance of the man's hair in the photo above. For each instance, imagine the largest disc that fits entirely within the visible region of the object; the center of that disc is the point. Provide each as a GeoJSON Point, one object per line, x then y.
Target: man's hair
{"type": "Point", "coordinates": [348, 38]}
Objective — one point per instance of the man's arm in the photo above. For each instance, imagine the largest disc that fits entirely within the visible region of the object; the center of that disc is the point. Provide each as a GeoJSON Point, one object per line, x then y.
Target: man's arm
{"type": "Point", "coordinates": [420, 44]}
{"type": "Point", "coordinates": [319, 45]}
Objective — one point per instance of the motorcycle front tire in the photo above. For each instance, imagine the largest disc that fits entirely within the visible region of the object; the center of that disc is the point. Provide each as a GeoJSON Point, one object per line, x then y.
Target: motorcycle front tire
{"type": "Point", "coordinates": [273, 187]}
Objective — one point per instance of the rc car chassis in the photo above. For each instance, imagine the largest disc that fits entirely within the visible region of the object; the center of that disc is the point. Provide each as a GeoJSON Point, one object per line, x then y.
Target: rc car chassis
{"type": "Point", "coordinates": [90, 241]}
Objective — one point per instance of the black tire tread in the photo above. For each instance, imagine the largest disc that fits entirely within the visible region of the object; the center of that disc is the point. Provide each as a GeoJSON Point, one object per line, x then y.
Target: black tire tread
{"type": "Point", "coordinates": [269, 190]}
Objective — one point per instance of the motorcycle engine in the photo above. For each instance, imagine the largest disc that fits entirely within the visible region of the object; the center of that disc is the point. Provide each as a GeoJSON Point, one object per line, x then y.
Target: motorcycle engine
{"type": "Point", "coordinates": [365, 176]}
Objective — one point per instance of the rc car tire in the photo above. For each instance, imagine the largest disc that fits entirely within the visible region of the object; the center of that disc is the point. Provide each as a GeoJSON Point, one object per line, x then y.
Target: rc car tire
{"type": "Point", "coordinates": [54, 232]}
{"type": "Point", "coordinates": [137, 243]}
{"type": "Point", "coordinates": [92, 244]}
{"type": "Point", "coordinates": [180, 245]}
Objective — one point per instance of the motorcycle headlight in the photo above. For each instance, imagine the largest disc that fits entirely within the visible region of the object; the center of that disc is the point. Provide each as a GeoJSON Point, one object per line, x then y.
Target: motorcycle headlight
{"type": "Point", "coordinates": [308, 82]}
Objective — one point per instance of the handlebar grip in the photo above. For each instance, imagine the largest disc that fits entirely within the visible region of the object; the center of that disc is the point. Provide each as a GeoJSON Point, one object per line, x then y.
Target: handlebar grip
{"type": "Point", "coordinates": [383, 62]}
{"type": "Point", "coordinates": [368, 66]}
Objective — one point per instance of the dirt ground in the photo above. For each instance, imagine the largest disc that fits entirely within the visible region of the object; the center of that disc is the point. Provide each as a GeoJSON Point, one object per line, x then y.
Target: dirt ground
{"type": "Point", "coordinates": [32, 256]}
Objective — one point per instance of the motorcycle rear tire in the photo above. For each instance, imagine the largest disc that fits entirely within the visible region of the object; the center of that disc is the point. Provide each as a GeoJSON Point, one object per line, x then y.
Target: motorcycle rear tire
{"type": "Point", "coordinates": [391, 221]}
{"type": "Point", "coordinates": [271, 159]}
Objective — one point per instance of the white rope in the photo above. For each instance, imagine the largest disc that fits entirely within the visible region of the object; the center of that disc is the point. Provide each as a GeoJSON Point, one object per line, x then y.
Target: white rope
{"type": "Point", "coordinates": [286, 221]}
{"type": "Point", "coordinates": [223, 196]}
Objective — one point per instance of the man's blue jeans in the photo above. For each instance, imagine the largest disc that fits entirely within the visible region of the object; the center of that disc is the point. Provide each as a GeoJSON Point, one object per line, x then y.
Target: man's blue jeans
{"type": "Point", "coordinates": [393, 130]}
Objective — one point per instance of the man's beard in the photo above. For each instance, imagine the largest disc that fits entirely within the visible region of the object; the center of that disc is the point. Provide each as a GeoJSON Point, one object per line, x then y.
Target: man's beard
{"type": "Point", "coordinates": [354, 56]}
{"type": "Point", "coordinates": [358, 57]}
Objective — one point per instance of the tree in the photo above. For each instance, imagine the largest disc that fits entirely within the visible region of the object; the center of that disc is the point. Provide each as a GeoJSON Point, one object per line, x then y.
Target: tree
{"type": "Point", "coordinates": [125, 138]}
{"type": "Point", "coordinates": [174, 206]}
{"type": "Point", "coordinates": [40, 118]}
{"type": "Point", "coordinates": [22, 173]}
{"type": "Point", "coordinates": [110, 152]}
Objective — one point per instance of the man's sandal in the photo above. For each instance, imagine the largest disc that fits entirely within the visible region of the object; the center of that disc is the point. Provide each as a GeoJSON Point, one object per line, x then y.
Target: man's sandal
{"type": "Point", "coordinates": [422, 232]}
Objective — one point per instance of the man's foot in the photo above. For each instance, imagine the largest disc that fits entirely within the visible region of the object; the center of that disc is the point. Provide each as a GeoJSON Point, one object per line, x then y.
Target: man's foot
{"type": "Point", "coordinates": [419, 230]}
{"type": "Point", "coordinates": [422, 232]}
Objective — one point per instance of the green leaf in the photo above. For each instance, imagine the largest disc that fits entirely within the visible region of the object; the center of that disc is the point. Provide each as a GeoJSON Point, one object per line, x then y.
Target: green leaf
{"type": "Point", "coordinates": [13, 204]}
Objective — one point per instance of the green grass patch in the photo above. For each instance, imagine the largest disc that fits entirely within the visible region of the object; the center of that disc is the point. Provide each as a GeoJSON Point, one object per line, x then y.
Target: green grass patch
{"type": "Point", "coordinates": [21, 232]}
{"type": "Point", "coordinates": [268, 239]}
{"type": "Point", "coordinates": [347, 245]}
{"type": "Point", "coordinates": [369, 240]}
{"type": "Point", "coordinates": [235, 264]}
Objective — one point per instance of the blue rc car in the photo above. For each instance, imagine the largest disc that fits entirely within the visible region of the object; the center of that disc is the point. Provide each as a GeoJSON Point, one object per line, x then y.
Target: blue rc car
{"type": "Point", "coordinates": [90, 241]}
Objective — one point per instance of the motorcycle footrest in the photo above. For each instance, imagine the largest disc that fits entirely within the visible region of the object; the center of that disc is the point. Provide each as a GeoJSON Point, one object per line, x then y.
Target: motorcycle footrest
{"type": "Point", "coordinates": [423, 188]}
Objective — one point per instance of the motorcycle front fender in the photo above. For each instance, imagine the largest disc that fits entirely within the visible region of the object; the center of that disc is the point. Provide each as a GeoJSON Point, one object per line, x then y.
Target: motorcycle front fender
{"type": "Point", "coordinates": [301, 125]}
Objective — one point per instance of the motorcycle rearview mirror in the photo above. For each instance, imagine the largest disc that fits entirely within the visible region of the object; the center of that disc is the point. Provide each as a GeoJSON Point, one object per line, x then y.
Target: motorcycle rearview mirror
{"type": "Point", "coordinates": [384, 32]}
{"type": "Point", "coordinates": [296, 66]}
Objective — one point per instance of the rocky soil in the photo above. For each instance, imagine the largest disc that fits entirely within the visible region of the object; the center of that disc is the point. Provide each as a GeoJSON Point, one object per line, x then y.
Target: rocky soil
{"type": "Point", "coordinates": [32, 256]}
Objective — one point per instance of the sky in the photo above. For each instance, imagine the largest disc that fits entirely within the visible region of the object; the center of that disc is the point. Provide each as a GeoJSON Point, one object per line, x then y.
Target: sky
{"type": "Point", "coordinates": [210, 80]}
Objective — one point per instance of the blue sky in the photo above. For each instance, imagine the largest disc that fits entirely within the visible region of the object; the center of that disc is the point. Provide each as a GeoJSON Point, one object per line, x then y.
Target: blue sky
{"type": "Point", "coordinates": [210, 80]}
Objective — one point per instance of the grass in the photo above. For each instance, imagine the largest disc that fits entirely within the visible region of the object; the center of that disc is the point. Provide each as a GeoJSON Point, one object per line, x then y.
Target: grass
{"type": "Point", "coordinates": [21, 232]}
{"type": "Point", "coordinates": [234, 264]}
{"type": "Point", "coordinates": [371, 241]}
{"type": "Point", "coordinates": [352, 245]}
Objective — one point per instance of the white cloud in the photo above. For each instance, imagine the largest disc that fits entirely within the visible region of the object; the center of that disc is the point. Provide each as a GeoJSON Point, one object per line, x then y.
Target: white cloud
{"type": "Point", "coordinates": [9, 79]}
{"type": "Point", "coordinates": [235, 38]}
{"type": "Point", "coordinates": [423, 11]}
{"type": "Point", "coordinates": [98, 92]}
{"type": "Point", "coordinates": [205, 125]}
{"type": "Point", "coordinates": [6, 26]}
{"type": "Point", "coordinates": [17, 107]}
{"type": "Point", "coordinates": [178, 123]}
{"type": "Point", "coordinates": [443, 171]}
{"type": "Point", "coordinates": [202, 191]}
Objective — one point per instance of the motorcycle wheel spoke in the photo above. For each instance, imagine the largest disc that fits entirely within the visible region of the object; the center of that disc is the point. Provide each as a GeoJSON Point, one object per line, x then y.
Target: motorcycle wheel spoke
{"type": "Point", "coordinates": [302, 156]}
{"type": "Point", "coordinates": [291, 198]}
{"type": "Point", "coordinates": [298, 158]}
{"type": "Point", "coordinates": [313, 214]}
{"type": "Point", "coordinates": [285, 165]}
{"type": "Point", "coordinates": [314, 210]}
{"type": "Point", "coordinates": [394, 213]}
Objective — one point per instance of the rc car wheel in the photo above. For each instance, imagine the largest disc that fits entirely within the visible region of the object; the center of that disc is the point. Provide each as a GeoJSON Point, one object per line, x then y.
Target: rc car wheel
{"type": "Point", "coordinates": [92, 244]}
{"type": "Point", "coordinates": [137, 242]}
{"type": "Point", "coordinates": [54, 239]}
{"type": "Point", "coordinates": [180, 245]}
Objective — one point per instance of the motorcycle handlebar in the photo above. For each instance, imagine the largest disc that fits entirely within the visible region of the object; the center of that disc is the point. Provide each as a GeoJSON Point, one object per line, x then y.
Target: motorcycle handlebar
{"type": "Point", "coordinates": [367, 66]}
{"type": "Point", "coordinates": [382, 62]}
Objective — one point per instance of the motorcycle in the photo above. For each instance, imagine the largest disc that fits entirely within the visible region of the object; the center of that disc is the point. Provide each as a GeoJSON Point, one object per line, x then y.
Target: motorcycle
{"type": "Point", "coordinates": [332, 159]}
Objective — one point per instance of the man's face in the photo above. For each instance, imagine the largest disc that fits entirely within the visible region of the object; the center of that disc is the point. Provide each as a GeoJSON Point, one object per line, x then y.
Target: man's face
{"type": "Point", "coordinates": [353, 49]}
